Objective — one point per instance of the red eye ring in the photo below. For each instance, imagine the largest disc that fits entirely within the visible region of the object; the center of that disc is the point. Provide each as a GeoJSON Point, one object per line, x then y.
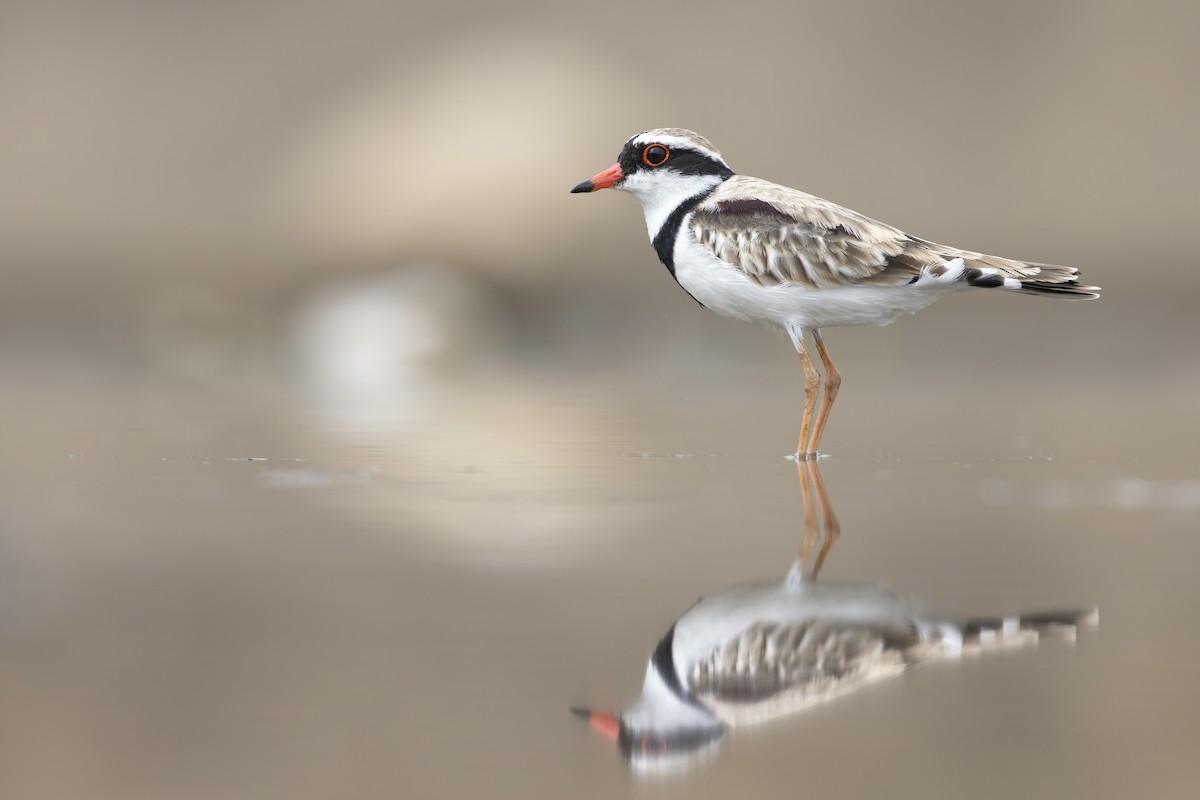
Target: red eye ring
{"type": "Point", "coordinates": [666, 153]}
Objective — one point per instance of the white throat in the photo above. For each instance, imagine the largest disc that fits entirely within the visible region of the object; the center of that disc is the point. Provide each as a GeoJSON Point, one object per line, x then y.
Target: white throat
{"type": "Point", "coordinates": [660, 193]}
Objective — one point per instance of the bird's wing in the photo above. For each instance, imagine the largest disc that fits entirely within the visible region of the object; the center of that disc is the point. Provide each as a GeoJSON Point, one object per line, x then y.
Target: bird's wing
{"type": "Point", "coordinates": [776, 235]}
{"type": "Point", "coordinates": [774, 668]}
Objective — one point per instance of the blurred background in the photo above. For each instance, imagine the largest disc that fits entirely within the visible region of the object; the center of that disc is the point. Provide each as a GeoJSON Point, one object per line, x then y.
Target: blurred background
{"type": "Point", "coordinates": [345, 450]}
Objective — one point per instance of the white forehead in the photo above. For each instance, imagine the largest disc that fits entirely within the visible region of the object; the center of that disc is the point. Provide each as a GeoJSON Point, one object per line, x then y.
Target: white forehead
{"type": "Point", "coordinates": [677, 137]}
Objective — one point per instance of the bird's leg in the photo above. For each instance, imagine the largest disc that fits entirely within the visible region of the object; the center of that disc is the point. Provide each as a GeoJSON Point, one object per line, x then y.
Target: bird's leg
{"type": "Point", "coordinates": [812, 384]}
{"type": "Point", "coordinates": [832, 528]}
{"type": "Point", "coordinates": [833, 381]}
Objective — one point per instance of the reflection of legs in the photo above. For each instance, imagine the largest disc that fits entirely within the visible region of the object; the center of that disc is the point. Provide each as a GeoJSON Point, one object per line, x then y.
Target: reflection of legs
{"type": "Point", "coordinates": [833, 381]}
{"type": "Point", "coordinates": [827, 530]}
{"type": "Point", "coordinates": [812, 531]}
{"type": "Point", "coordinates": [812, 384]}
{"type": "Point", "coordinates": [832, 529]}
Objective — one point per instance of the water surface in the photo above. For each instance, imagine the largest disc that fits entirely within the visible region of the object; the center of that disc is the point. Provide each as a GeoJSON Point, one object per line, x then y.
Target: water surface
{"type": "Point", "coordinates": [282, 595]}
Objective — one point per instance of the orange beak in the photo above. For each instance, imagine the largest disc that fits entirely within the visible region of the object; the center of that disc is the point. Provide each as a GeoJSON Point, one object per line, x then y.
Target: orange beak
{"type": "Point", "coordinates": [607, 724]}
{"type": "Point", "coordinates": [605, 180]}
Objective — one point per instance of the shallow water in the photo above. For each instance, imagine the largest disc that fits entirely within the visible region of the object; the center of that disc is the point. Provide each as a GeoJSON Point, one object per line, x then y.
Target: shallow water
{"type": "Point", "coordinates": [267, 594]}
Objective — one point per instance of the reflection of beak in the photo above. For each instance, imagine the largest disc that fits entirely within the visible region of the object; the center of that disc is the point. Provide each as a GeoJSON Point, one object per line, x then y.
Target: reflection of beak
{"type": "Point", "coordinates": [605, 180]}
{"type": "Point", "coordinates": [608, 724]}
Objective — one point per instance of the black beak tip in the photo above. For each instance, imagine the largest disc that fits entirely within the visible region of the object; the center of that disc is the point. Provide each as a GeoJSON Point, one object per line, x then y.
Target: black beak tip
{"type": "Point", "coordinates": [586, 186]}
{"type": "Point", "coordinates": [583, 713]}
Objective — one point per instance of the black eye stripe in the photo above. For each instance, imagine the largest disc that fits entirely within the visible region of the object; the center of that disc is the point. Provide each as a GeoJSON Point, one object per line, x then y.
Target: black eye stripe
{"type": "Point", "coordinates": [682, 159]}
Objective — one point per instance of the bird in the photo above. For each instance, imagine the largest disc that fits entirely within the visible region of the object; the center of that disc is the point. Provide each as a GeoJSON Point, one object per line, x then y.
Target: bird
{"type": "Point", "coordinates": [764, 253]}
{"type": "Point", "coordinates": [765, 649]}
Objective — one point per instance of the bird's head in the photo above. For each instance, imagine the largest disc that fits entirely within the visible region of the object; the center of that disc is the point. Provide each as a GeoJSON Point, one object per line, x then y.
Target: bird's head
{"type": "Point", "coordinates": [663, 167]}
{"type": "Point", "coordinates": [654, 748]}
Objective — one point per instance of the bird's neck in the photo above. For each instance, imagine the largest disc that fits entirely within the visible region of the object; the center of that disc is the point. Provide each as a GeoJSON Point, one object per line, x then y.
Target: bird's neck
{"type": "Point", "coordinates": [660, 200]}
{"type": "Point", "coordinates": [661, 709]}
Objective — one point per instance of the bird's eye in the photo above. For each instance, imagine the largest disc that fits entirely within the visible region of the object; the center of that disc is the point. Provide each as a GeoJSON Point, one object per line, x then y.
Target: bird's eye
{"type": "Point", "coordinates": [655, 155]}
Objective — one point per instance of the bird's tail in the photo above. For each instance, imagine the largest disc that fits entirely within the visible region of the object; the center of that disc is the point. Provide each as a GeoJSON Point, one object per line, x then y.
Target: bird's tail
{"type": "Point", "coordinates": [977, 633]}
{"type": "Point", "coordinates": [1027, 277]}
{"type": "Point", "coordinates": [1055, 281]}
{"type": "Point", "coordinates": [981, 632]}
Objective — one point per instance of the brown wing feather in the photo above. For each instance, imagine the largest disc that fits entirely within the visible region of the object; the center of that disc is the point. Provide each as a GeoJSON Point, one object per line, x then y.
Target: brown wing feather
{"type": "Point", "coordinates": [777, 235]}
{"type": "Point", "coordinates": [773, 668]}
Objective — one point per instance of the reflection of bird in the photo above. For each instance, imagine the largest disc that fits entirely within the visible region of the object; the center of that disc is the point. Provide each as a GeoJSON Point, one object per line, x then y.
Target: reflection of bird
{"type": "Point", "coordinates": [762, 650]}
{"type": "Point", "coordinates": [760, 252]}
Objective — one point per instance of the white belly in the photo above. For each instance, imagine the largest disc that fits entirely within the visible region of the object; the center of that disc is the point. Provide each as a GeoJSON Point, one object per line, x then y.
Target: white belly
{"type": "Point", "coordinates": [729, 292]}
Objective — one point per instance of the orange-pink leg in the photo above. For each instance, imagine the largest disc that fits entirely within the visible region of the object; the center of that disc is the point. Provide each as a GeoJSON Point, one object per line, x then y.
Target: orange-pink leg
{"type": "Point", "coordinates": [812, 385]}
{"type": "Point", "coordinates": [833, 381]}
